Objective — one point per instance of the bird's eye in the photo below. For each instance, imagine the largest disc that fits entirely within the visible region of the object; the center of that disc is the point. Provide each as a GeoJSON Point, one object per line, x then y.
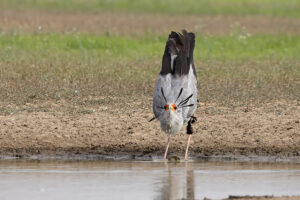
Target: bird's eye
{"type": "Point", "coordinates": [166, 107]}
{"type": "Point", "coordinates": [174, 107]}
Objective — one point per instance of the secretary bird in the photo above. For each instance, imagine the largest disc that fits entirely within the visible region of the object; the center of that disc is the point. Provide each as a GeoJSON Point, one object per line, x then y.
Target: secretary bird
{"type": "Point", "coordinates": [175, 95]}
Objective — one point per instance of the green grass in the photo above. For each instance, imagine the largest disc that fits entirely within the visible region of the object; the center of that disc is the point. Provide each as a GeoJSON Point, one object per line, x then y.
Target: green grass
{"type": "Point", "coordinates": [92, 70]}
{"type": "Point", "coordinates": [110, 48]}
{"type": "Point", "coordinates": [280, 8]}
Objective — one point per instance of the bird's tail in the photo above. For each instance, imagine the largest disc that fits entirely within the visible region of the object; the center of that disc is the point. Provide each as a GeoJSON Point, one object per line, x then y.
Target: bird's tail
{"type": "Point", "coordinates": [178, 55]}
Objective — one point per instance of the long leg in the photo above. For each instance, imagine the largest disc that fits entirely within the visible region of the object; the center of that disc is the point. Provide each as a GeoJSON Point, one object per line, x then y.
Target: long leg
{"type": "Point", "coordinates": [187, 147]}
{"type": "Point", "coordinates": [166, 152]}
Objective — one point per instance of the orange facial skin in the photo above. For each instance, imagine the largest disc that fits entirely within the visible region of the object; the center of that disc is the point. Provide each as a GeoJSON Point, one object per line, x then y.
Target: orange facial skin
{"type": "Point", "coordinates": [172, 106]}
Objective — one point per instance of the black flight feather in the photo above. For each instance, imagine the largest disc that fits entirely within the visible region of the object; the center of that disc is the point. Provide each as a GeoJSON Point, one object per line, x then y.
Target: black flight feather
{"type": "Point", "coordinates": [181, 45]}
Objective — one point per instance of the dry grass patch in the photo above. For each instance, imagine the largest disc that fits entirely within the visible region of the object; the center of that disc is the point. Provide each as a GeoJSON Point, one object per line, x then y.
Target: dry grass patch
{"type": "Point", "coordinates": [30, 21]}
{"type": "Point", "coordinates": [80, 69]}
{"type": "Point", "coordinates": [121, 84]}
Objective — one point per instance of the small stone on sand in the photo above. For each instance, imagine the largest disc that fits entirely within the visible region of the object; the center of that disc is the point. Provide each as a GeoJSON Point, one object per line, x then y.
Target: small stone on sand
{"type": "Point", "coordinates": [174, 159]}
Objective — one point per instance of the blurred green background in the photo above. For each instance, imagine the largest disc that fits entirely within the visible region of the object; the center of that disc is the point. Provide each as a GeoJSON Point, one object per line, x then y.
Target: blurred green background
{"type": "Point", "coordinates": [77, 51]}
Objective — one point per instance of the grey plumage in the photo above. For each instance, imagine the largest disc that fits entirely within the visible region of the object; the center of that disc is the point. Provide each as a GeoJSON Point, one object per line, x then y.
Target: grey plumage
{"type": "Point", "coordinates": [176, 83]}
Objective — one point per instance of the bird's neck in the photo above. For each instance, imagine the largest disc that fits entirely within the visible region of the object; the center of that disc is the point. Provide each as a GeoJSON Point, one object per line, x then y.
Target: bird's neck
{"type": "Point", "coordinates": [171, 122]}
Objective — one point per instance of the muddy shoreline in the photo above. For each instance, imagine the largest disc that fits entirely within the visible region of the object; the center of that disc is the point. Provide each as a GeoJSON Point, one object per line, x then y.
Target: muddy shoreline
{"type": "Point", "coordinates": [259, 133]}
{"type": "Point", "coordinates": [67, 155]}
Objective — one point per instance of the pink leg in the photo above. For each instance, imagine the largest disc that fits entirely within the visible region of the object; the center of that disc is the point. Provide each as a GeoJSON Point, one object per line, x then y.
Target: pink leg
{"type": "Point", "coordinates": [165, 156]}
{"type": "Point", "coordinates": [187, 147]}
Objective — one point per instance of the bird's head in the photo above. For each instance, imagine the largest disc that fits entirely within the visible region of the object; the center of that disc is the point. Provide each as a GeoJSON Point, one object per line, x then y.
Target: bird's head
{"type": "Point", "coordinates": [170, 107]}
{"type": "Point", "coordinates": [173, 106]}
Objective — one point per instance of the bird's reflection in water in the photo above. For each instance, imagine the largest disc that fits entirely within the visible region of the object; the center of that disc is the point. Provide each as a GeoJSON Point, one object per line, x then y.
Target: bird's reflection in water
{"type": "Point", "coordinates": [179, 184]}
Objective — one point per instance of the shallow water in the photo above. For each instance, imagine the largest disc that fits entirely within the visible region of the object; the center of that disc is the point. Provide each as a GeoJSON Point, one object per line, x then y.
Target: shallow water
{"type": "Point", "coordinates": [144, 179]}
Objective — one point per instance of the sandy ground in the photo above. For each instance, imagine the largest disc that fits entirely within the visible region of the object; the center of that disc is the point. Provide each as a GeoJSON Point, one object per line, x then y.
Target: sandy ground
{"type": "Point", "coordinates": [271, 130]}
{"type": "Point", "coordinates": [137, 24]}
